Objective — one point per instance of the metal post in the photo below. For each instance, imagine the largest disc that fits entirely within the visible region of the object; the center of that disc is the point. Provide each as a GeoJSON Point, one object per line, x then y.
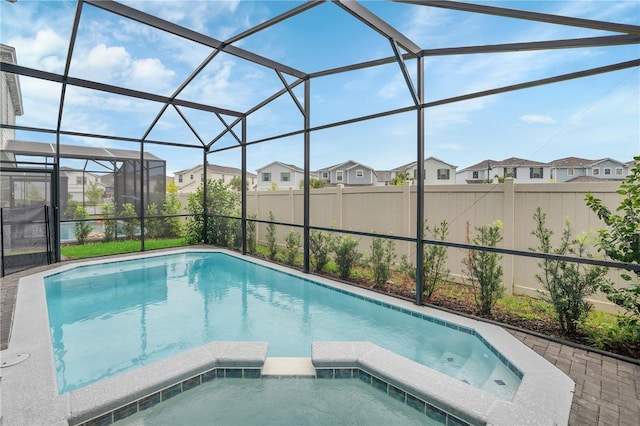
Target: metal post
{"type": "Point", "coordinates": [420, 185]}
{"type": "Point", "coordinates": [142, 198]}
{"type": "Point", "coordinates": [307, 173]}
{"type": "Point", "coordinates": [205, 237]}
{"type": "Point", "coordinates": [243, 181]}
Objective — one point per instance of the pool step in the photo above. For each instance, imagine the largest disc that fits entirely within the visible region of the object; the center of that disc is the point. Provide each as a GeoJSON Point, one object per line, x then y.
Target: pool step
{"type": "Point", "coordinates": [288, 366]}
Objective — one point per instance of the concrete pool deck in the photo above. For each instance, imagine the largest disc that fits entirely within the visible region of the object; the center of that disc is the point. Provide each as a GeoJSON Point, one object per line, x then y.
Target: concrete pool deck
{"type": "Point", "coordinates": [607, 390]}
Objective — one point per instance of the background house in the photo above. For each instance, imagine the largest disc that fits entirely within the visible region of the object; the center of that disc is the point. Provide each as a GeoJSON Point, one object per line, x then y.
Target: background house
{"type": "Point", "coordinates": [79, 182]}
{"type": "Point", "coordinates": [476, 173]}
{"type": "Point", "coordinates": [521, 170]}
{"type": "Point", "coordinates": [436, 171]}
{"type": "Point", "coordinates": [10, 102]}
{"type": "Point", "coordinates": [349, 173]}
{"type": "Point", "coordinates": [284, 176]}
{"type": "Point", "coordinates": [189, 180]}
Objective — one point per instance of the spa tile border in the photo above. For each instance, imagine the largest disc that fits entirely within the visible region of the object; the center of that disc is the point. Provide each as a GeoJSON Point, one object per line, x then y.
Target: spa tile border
{"type": "Point", "coordinates": [392, 391]}
{"type": "Point", "coordinates": [169, 392]}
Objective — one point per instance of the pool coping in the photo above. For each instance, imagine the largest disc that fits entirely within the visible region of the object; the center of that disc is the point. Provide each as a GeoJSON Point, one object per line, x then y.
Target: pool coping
{"type": "Point", "coordinates": [30, 395]}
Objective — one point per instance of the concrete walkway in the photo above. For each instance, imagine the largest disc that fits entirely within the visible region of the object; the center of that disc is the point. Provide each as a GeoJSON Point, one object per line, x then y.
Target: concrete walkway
{"type": "Point", "coordinates": [607, 390]}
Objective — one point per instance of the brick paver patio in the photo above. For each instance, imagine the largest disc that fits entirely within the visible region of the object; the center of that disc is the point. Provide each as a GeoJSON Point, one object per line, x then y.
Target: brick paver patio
{"type": "Point", "coordinates": [607, 389]}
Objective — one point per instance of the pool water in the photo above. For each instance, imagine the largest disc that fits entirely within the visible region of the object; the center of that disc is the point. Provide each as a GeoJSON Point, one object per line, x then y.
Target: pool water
{"type": "Point", "coordinates": [112, 317]}
{"type": "Point", "coordinates": [281, 402]}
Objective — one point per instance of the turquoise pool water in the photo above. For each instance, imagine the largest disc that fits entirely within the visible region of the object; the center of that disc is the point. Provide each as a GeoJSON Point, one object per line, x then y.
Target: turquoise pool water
{"type": "Point", "coordinates": [113, 317]}
{"type": "Point", "coordinates": [250, 402]}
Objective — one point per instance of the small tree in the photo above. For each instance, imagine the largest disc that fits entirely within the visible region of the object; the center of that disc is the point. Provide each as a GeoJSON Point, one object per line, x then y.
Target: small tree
{"type": "Point", "coordinates": [171, 226]}
{"type": "Point", "coordinates": [94, 193]}
{"type": "Point", "coordinates": [221, 202]}
{"type": "Point", "coordinates": [131, 221]}
{"type": "Point", "coordinates": [236, 183]}
{"type": "Point", "coordinates": [400, 178]}
{"type": "Point", "coordinates": [110, 223]}
{"type": "Point", "coordinates": [566, 284]}
{"type": "Point", "coordinates": [152, 225]}
{"type": "Point", "coordinates": [251, 234]}
{"type": "Point", "coordinates": [320, 246]}
{"type": "Point", "coordinates": [346, 255]}
{"type": "Point", "coordinates": [483, 267]}
{"type": "Point", "coordinates": [435, 258]}
{"type": "Point", "coordinates": [271, 236]}
{"type": "Point", "coordinates": [82, 228]}
{"type": "Point", "coordinates": [293, 244]}
{"type": "Point", "coordinates": [621, 240]}
{"type": "Point", "coordinates": [382, 256]}
{"type": "Point", "coordinates": [314, 183]}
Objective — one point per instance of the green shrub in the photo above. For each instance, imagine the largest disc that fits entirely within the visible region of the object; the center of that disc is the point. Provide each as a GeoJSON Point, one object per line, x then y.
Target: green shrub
{"type": "Point", "coordinates": [81, 229]}
{"type": "Point", "coordinates": [620, 240]}
{"type": "Point", "coordinates": [320, 246]}
{"type": "Point", "coordinates": [131, 221]}
{"type": "Point", "coordinates": [435, 258]}
{"type": "Point", "coordinates": [293, 245]}
{"type": "Point", "coordinates": [483, 267]}
{"type": "Point", "coordinates": [110, 223]}
{"type": "Point", "coordinates": [251, 234]}
{"type": "Point", "coordinates": [566, 284]}
{"type": "Point", "coordinates": [346, 255]}
{"type": "Point", "coordinates": [171, 226]}
{"type": "Point", "coordinates": [271, 236]}
{"type": "Point", "coordinates": [152, 225]}
{"type": "Point", "coordinates": [382, 256]}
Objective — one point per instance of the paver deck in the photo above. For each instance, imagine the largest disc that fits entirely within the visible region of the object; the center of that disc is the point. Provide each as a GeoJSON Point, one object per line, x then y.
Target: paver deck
{"type": "Point", "coordinates": [607, 389]}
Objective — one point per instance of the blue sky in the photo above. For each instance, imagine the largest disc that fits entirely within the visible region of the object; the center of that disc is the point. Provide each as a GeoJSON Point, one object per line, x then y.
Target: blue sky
{"type": "Point", "coordinates": [594, 117]}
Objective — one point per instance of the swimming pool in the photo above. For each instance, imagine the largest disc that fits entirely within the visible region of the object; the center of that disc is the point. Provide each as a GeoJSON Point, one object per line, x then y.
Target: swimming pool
{"type": "Point", "coordinates": [149, 309]}
{"type": "Point", "coordinates": [31, 392]}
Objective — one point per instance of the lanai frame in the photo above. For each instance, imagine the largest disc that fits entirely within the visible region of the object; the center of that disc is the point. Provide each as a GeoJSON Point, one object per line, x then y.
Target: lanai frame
{"type": "Point", "coordinates": [403, 48]}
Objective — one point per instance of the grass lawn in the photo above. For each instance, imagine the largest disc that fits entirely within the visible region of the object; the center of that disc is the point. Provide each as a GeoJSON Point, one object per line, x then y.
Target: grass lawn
{"type": "Point", "coordinates": [117, 247]}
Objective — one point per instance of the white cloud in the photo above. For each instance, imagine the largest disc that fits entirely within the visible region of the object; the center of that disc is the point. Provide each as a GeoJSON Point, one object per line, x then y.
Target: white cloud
{"type": "Point", "coordinates": [46, 50]}
{"type": "Point", "coordinates": [150, 72]}
{"type": "Point", "coordinates": [537, 119]}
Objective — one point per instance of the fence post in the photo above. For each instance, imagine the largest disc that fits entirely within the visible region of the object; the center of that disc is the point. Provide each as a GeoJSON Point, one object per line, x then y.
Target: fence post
{"type": "Point", "coordinates": [508, 234]}
{"type": "Point", "coordinates": [339, 189]}
{"type": "Point", "coordinates": [405, 212]}
{"type": "Point", "coordinates": [291, 205]}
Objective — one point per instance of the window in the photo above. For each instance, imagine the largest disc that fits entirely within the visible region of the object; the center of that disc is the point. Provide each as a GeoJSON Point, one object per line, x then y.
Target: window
{"type": "Point", "coordinates": [510, 172]}
{"type": "Point", "coordinates": [618, 171]}
{"type": "Point", "coordinates": [325, 175]}
{"type": "Point", "coordinates": [475, 175]}
{"type": "Point", "coordinates": [285, 176]}
{"type": "Point", "coordinates": [571, 172]}
{"type": "Point", "coordinates": [535, 173]}
{"type": "Point", "coordinates": [179, 178]}
{"type": "Point", "coordinates": [339, 176]}
{"type": "Point", "coordinates": [359, 173]}
{"type": "Point", "coordinates": [266, 177]}
{"type": "Point", "coordinates": [443, 174]}
{"type": "Point", "coordinates": [607, 171]}
{"type": "Point", "coordinates": [202, 177]}
{"type": "Point", "coordinates": [191, 176]}
{"type": "Point", "coordinates": [78, 180]}
{"type": "Point", "coordinates": [595, 171]}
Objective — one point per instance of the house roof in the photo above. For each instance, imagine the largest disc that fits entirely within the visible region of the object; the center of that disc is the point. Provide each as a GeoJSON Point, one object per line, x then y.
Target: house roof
{"type": "Point", "coordinates": [413, 164]}
{"type": "Point", "coordinates": [483, 165]}
{"type": "Point", "coordinates": [571, 162]}
{"type": "Point", "coordinates": [518, 162]}
{"type": "Point", "coordinates": [607, 159]}
{"type": "Point", "coordinates": [350, 163]}
{"type": "Point", "coordinates": [40, 149]}
{"type": "Point", "coordinates": [292, 167]}
{"type": "Point", "coordinates": [216, 168]}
